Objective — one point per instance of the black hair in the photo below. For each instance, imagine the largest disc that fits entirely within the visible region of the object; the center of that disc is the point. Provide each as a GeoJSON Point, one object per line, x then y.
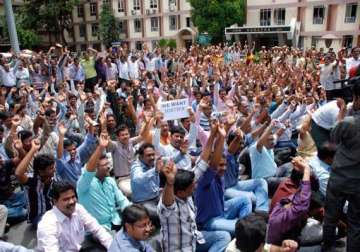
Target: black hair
{"type": "Point", "coordinates": [326, 150]}
{"type": "Point", "coordinates": [183, 180]}
{"type": "Point", "coordinates": [2, 129]}
{"type": "Point", "coordinates": [143, 147]}
{"type": "Point", "coordinates": [250, 233]}
{"type": "Point", "coordinates": [49, 112]}
{"type": "Point", "coordinates": [43, 161]}
{"type": "Point", "coordinates": [59, 187]}
{"type": "Point", "coordinates": [67, 143]}
{"type": "Point", "coordinates": [177, 129]}
{"type": "Point", "coordinates": [134, 213]}
{"type": "Point", "coordinates": [24, 134]}
{"type": "Point", "coordinates": [121, 128]}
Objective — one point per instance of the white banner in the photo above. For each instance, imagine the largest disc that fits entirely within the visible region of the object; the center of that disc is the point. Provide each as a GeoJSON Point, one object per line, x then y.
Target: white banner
{"type": "Point", "coordinates": [175, 109]}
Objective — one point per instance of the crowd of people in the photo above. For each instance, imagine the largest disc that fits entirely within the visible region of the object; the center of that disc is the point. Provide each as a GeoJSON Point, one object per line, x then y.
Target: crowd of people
{"type": "Point", "coordinates": [267, 158]}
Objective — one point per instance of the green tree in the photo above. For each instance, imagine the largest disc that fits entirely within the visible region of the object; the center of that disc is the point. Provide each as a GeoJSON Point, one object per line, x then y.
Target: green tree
{"type": "Point", "coordinates": [212, 16]}
{"type": "Point", "coordinates": [51, 16]}
{"type": "Point", "coordinates": [27, 38]}
{"type": "Point", "coordinates": [171, 43]}
{"type": "Point", "coordinates": [109, 29]}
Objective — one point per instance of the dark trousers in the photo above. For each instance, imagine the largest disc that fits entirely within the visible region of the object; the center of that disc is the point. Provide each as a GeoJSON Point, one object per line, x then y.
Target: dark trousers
{"type": "Point", "coordinates": [338, 191]}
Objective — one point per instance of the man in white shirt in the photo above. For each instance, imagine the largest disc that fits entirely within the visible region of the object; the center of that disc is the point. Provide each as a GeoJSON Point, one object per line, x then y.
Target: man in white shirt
{"type": "Point", "coordinates": [354, 61]}
{"type": "Point", "coordinates": [63, 228]}
{"type": "Point", "coordinates": [111, 70]}
{"type": "Point", "coordinates": [123, 69]}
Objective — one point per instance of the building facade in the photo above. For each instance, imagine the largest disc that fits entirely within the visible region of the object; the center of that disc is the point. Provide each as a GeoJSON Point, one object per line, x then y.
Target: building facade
{"type": "Point", "coordinates": [140, 21]}
{"type": "Point", "coordinates": [300, 23]}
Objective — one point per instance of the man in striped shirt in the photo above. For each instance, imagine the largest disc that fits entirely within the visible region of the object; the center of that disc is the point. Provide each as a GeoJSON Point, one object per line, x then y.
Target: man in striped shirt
{"type": "Point", "coordinates": [177, 211]}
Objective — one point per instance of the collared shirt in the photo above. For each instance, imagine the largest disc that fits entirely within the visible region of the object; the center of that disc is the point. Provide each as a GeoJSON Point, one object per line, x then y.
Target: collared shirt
{"type": "Point", "coordinates": [8, 79]}
{"type": "Point", "coordinates": [231, 176]}
{"type": "Point", "coordinates": [145, 182]}
{"type": "Point", "coordinates": [263, 163]}
{"type": "Point", "coordinates": [77, 73]}
{"type": "Point", "coordinates": [102, 199]}
{"type": "Point", "coordinates": [122, 155]}
{"type": "Point", "coordinates": [57, 232]}
{"type": "Point", "coordinates": [111, 72]}
{"type": "Point", "coordinates": [70, 170]}
{"type": "Point", "coordinates": [285, 219]}
{"type": "Point", "coordinates": [178, 225]}
{"type": "Point", "coordinates": [38, 199]}
{"type": "Point", "coordinates": [181, 161]}
{"type": "Point", "coordinates": [322, 173]}
{"type": "Point", "coordinates": [9, 247]}
{"type": "Point", "coordinates": [124, 242]}
{"type": "Point", "coordinates": [209, 196]}
{"type": "Point", "coordinates": [123, 70]}
{"type": "Point", "coordinates": [89, 67]}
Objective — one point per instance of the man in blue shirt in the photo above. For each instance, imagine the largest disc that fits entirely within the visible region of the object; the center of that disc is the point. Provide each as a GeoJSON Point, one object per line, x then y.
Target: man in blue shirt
{"type": "Point", "coordinates": [255, 189]}
{"type": "Point", "coordinates": [145, 181]}
{"type": "Point", "coordinates": [214, 213]}
{"type": "Point", "coordinates": [98, 192]}
{"type": "Point", "coordinates": [321, 165]}
{"type": "Point", "coordinates": [137, 229]}
{"type": "Point", "coordinates": [71, 159]}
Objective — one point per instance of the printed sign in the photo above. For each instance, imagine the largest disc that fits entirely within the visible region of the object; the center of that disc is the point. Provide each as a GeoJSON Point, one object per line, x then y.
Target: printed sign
{"type": "Point", "coordinates": [175, 109]}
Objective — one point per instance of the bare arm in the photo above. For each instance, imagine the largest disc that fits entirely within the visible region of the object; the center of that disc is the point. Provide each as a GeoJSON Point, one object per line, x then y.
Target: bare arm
{"type": "Point", "coordinates": [22, 167]}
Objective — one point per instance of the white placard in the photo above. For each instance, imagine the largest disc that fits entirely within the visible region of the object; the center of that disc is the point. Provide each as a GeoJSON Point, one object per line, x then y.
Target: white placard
{"type": "Point", "coordinates": [175, 109]}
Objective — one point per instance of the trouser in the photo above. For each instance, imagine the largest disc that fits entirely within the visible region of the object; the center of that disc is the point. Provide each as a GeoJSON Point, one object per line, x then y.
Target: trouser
{"type": "Point", "coordinates": [215, 241]}
{"type": "Point", "coordinates": [151, 206]}
{"type": "Point", "coordinates": [124, 185]}
{"type": "Point", "coordinates": [319, 134]}
{"type": "Point", "coordinates": [255, 189]}
{"type": "Point", "coordinates": [16, 206]}
{"type": "Point", "coordinates": [338, 191]}
{"type": "Point", "coordinates": [235, 209]}
{"type": "Point", "coordinates": [3, 218]}
{"type": "Point", "coordinates": [90, 84]}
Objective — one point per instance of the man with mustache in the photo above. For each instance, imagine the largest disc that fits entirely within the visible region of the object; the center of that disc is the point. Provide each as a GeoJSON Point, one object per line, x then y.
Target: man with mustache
{"type": "Point", "coordinates": [63, 228]}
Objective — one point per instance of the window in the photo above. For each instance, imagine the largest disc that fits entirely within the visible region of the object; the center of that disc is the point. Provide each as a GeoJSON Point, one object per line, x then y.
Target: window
{"type": "Point", "coordinates": [82, 30]}
{"type": "Point", "coordinates": [93, 9]}
{"type": "Point", "coordinates": [188, 22]}
{"type": "Point", "coordinates": [279, 16]}
{"type": "Point", "coordinates": [350, 14]}
{"type": "Point", "coordinates": [265, 17]}
{"type": "Point", "coordinates": [319, 13]}
{"type": "Point", "coordinates": [172, 23]}
{"type": "Point", "coordinates": [80, 11]}
{"type": "Point", "coordinates": [121, 6]}
{"type": "Point", "coordinates": [154, 44]}
{"type": "Point", "coordinates": [153, 4]}
{"type": "Point", "coordinates": [106, 2]}
{"type": "Point", "coordinates": [172, 5]}
{"type": "Point", "coordinates": [138, 45]}
{"type": "Point", "coordinates": [315, 41]}
{"type": "Point", "coordinates": [154, 24]}
{"type": "Point", "coordinates": [122, 26]}
{"type": "Point", "coordinates": [137, 25]}
{"type": "Point", "coordinates": [94, 30]}
{"type": "Point", "coordinates": [347, 41]}
{"type": "Point", "coordinates": [136, 5]}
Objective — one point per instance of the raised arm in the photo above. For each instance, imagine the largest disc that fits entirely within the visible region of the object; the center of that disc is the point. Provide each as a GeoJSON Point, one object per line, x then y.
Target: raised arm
{"type": "Point", "coordinates": [103, 143]}
{"type": "Point", "coordinates": [168, 195]}
{"type": "Point", "coordinates": [219, 146]}
{"type": "Point", "coordinates": [24, 164]}
{"type": "Point", "coordinates": [60, 148]}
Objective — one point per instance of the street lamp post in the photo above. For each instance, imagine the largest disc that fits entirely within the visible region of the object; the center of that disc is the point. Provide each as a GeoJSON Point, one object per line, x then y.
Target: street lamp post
{"type": "Point", "coordinates": [11, 26]}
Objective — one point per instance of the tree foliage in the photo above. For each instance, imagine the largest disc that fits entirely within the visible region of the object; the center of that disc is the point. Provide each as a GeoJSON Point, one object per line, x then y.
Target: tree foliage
{"type": "Point", "coordinates": [51, 16]}
{"type": "Point", "coordinates": [109, 28]}
{"type": "Point", "coordinates": [27, 38]}
{"type": "Point", "coordinates": [212, 16]}
{"type": "Point", "coordinates": [164, 43]}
